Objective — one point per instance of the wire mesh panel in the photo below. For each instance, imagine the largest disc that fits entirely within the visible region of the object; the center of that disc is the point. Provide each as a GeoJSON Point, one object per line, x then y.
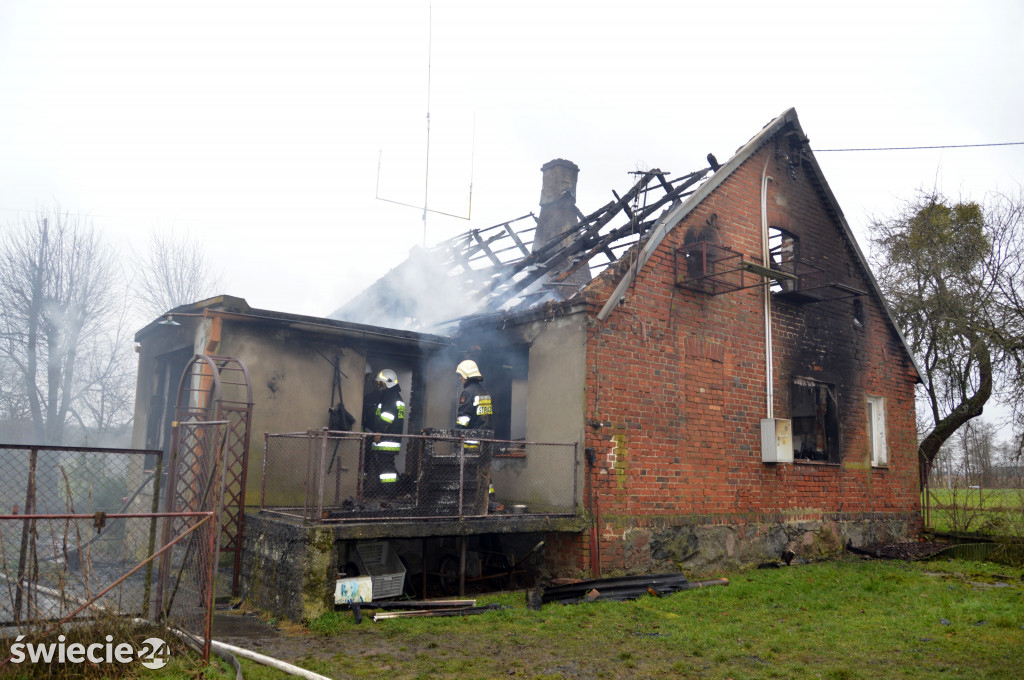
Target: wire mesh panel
{"type": "Point", "coordinates": [195, 503]}
{"type": "Point", "coordinates": [336, 476]}
{"type": "Point", "coordinates": [73, 522]}
{"type": "Point", "coordinates": [218, 388]}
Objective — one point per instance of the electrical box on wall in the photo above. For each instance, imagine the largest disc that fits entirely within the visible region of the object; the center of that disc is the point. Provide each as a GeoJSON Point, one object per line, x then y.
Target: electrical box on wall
{"type": "Point", "coordinates": [776, 440]}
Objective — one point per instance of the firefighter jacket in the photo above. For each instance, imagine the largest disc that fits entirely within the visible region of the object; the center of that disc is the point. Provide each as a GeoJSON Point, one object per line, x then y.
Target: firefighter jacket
{"type": "Point", "coordinates": [388, 418]}
{"type": "Point", "coordinates": [475, 408]}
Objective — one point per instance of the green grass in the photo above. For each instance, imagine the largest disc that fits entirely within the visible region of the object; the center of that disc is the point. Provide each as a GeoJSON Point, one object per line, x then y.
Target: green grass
{"type": "Point", "coordinates": [841, 620]}
{"type": "Point", "coordinates": [183, 664]}
{"type": "Point", "coordinates": [847, 619]}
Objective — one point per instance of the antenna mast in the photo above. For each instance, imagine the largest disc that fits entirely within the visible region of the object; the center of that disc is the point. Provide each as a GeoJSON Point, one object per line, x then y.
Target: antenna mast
{"type": "Point", "coordinates": [426, 175]}
{"type": "Point", "coordinates": [426, 171]}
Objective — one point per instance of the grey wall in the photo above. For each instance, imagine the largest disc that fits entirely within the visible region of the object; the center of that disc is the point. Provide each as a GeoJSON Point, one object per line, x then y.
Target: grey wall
{"type": "Point", "coordinates": [556, 400]}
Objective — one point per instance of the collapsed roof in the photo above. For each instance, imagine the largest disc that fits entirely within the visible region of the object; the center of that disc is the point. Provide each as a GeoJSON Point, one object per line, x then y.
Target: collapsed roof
{"type": "Point", "coordinates": [515, 266]}
{"type": "Point", "coordinates": [508, 268]}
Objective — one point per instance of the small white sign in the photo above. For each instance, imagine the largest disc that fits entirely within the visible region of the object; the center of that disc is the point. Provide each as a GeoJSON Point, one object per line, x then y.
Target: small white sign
{"type": "Point", "coordinates": [356, 589]}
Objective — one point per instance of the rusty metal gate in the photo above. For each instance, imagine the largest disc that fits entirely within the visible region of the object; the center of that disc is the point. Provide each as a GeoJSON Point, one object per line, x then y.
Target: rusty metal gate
{"type": "Point", "coordinates": [78, 538]}
{"type": "Point", "coordinates": [217, 388]}
{"type": "Point", "coordinates": [196, 483]}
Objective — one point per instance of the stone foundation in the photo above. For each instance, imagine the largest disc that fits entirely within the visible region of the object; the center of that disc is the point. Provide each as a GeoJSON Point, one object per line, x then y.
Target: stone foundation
{"type": "Point", "coordinates": [701, 550]}
{"type": "Point", "coordinates": [714, 546]}
{"type": "Point", "coordinates": [288, 569]}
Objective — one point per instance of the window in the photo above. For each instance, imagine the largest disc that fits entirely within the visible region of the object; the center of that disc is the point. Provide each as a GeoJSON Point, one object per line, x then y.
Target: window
{"type": "Point", "coordinates": [782, 253]}
{"type": "Point", "coordinates": [876, 431]}
{"type": "Point", "coordinates": [815, 414]}
{"type": "Point", "coordinates": [858, 313]}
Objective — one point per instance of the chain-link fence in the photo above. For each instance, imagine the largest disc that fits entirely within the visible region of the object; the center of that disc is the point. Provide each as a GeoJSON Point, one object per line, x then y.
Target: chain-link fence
{"type": "Point", "coordinates": [324, 475]}
{"type": "Point", "coordinates": [83, 533]}
{"type": "Point", "coordinates": [72, 522]}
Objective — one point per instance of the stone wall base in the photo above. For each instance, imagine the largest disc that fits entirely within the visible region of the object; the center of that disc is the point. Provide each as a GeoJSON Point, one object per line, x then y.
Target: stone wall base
{"type": "Point", "coordinates": [288, 569]}
{"type": "Point", "coordinates": [715, 547]}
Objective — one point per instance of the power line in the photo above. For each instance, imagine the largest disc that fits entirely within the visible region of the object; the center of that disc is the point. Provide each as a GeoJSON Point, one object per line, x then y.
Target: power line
{"type": "Point", "coordinates": [914, 148]}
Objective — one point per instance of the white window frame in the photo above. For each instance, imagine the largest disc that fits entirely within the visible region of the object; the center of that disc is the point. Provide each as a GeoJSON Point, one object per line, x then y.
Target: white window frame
{"type": "Point", "coordinates": [877, 443]}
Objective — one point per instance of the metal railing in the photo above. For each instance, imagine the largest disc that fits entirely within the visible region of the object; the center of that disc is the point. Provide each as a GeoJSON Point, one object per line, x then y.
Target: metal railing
{"type": "Point", "coordinates": [331, 476]}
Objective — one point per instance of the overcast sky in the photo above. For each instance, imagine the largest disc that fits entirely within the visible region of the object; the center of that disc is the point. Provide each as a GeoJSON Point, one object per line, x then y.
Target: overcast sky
{"type": "Point", "coordinates": [259, 127]}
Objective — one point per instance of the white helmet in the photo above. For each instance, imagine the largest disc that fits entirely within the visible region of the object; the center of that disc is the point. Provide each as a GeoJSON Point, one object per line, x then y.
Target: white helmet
{"type": "Point", "coordinates": [388, 378]}
{"type": "Point", "coordinates": [467, 369]}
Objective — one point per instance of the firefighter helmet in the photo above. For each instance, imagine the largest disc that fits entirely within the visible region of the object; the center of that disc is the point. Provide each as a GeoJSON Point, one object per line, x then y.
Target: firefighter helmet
{"type": "Point", "coordinates": [467, 369]}
{"type": "Point", "coordinates": [387, 379]}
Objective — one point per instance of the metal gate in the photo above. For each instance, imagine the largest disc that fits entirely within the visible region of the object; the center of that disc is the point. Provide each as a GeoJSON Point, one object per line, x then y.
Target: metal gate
{"type": "Point", "coordinates": [186, 589]}
{"type": "Point", "coordinates": [78, 536]}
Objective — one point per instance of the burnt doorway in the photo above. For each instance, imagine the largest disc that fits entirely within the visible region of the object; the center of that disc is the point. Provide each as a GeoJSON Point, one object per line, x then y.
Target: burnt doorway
{"type": "Point", "coordinates": [160, 416]}
{"type": "Point", "coordinates": [505, 372]}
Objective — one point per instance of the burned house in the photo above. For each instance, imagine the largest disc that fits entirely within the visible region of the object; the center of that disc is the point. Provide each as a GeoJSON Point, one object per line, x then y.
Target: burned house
{"type": "Point", "coordinates": [711, 349]}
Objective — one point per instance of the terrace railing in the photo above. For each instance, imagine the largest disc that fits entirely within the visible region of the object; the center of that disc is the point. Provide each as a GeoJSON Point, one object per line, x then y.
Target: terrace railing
{"type": "Point", "coordinates": [331, 476]}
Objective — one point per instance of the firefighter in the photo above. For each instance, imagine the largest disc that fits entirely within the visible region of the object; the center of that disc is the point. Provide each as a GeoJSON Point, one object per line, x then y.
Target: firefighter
{"type": "Point", "coordinates": [386, 419]}
{"type": "Point", "coordinates": [475, 408]}
{"type": "Point", "coordinates": [474, 414]}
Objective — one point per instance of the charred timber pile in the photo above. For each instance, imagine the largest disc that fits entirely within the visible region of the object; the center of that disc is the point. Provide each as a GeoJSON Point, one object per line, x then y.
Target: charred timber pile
{"type": "Point", "coordinates": [911, 551]}
{"type": "Point", "coordinates": [623, 588]}
{"type": "Point", "coordinates": [447, 468]}
{"type": "Point", "coordinates": [419, 608]}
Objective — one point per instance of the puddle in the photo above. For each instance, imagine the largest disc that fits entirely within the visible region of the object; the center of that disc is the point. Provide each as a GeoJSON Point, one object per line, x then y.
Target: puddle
{"type": "Point", "coordinates": [243, 630]}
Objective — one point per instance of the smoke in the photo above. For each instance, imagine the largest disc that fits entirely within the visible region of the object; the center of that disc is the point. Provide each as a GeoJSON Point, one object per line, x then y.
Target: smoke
{"type": "Point", "coordinates": [420, 294]}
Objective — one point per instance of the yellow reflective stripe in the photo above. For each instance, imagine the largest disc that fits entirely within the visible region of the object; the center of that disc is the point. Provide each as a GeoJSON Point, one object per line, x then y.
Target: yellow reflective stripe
{"type": "Point", "coordinates": [401, 409]}
{"type": "Point", "coordinates": [483, 405]}
{"type": "Point", "coordinates": [387, 446]}
{"type": "Point", "coordinates": [387, 417]}
{"type": "Point", "coordinates": [387, 477]}
{"type": "Point", "coordinates": [471, 443]}
{"type": "Point", "coordinates": [463, 420]}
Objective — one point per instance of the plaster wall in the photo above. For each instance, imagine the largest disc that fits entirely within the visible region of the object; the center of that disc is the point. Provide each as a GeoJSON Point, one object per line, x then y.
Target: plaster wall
{"type": "Point", "coordinates": [291, 385]}
{"type": "Point", "coordinates": [554, 414]}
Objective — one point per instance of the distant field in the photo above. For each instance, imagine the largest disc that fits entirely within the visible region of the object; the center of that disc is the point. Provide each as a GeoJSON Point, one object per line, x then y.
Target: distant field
{"type": "Point", "coordinates": [991, 511]}
{"type": "Point", "coordinates": [993, 499]}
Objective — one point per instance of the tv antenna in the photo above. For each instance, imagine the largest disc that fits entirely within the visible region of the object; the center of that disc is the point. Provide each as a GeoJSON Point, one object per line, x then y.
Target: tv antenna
{"type": "Point", "coordinates": [426, 173]}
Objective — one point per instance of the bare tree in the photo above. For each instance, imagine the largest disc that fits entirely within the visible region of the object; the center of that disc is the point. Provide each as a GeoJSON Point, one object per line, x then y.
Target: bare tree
{"type": "Point", "coordinates": [173, 271]}
{"type": "Point", "coordinates": [950, 272]}
{"type": "Point", "coordinates": [59, 293]}
{"type": "Point", "coordinates": [1006, 213]}
{"type": "Point", "coordinates": [977, 443]}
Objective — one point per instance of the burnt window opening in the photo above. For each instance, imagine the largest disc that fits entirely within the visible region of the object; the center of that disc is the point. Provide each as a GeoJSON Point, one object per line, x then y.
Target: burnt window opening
{"type": "Point", "coordinates": [783, 252]}
{"type": "Point", "coordinates": [505, 374]}
{"type": "Point", "coordinates": [858, 313]}
{"type": "Point", "coordinates": [815, 415]}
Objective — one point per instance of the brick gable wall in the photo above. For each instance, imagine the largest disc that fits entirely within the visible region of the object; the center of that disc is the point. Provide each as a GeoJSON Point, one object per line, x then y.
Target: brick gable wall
{"type": "Point", "coordinates": [675, 391]}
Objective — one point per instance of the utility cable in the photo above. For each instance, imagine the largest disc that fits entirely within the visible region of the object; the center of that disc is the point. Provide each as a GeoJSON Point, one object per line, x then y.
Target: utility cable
{"type": "Point", "coordinates": [915, 148]}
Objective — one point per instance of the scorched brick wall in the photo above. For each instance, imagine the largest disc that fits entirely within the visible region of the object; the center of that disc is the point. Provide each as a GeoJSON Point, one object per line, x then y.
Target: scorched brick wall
{"type": "Point", "coordinates": [676, 386]}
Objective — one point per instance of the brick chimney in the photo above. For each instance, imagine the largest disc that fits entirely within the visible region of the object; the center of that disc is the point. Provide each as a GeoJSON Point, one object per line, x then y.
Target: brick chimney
{"type": "Point", "coordinates": [558, 214]}
{"type": "Point", "coordinates": [557, 201]}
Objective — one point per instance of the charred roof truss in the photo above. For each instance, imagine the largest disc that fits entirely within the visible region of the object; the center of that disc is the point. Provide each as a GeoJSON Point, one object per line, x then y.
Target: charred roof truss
{"type": "Point", "coordinates": [508, 273]}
